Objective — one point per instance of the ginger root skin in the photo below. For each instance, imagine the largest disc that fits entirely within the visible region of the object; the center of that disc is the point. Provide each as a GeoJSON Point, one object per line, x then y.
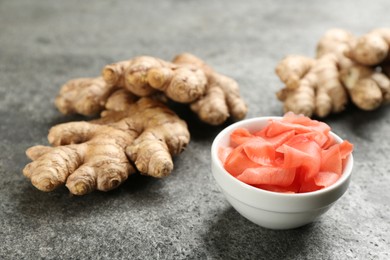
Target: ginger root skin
{"type": "Point", "coordinates": [145, 75]}
{"type": "Point", "coordinates": [299, 98]}
{"type": "Point", "coordinates": [368, 89]}
{"type": "Point", "coordinates": [136, 131]}
{"type": "Point", "coordinates": [85, 96]}
{"type": "Point", "coordinates": [333, 77]}
{"type": "Point", "coordinates": [86, 156]}
{"type": "Point", "coordinates": [317, 89]}
{"type": "Point", "coordinates": [372, 48]}
{"type": "Point", "coordinates": [187, 79]}
{"type": "Point", "coordinates": [292, 69]}
{"type": "Point", "coordinates": [222, 97]}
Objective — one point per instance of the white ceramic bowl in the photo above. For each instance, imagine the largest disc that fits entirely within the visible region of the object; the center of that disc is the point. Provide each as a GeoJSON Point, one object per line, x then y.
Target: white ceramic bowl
{"type": "Point", "coordinates": [272, 209]}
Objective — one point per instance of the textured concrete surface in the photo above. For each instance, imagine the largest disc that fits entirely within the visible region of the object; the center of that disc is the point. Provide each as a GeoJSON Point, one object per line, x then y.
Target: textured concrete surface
{"type": "Point", "coordinates": [45, 43]}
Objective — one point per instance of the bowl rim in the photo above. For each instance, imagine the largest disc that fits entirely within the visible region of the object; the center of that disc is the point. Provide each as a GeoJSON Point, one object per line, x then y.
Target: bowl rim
{"type": "Point", "coordinates": [347, 171]}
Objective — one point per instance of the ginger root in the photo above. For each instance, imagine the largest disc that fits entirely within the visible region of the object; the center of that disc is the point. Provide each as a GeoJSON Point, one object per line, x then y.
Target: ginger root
{"type": "Point", "coordinates": [95, 155]}
{"type": "Point", "coordinates": [368, 88]}
{"type": "Point", "coordinates": [212, 96]}
{"type": "Point", "coordinates": [144, 75]}
{"type": "Point", "coordinates": [85, 96]}
{"type": "Point", "coordinates": [324, 85]}
{"type": "Point", "coordinates": [222, 98]}
{"type": "Point", "coordinates": [136, 131]}
{"type": "Point", "coordinates": [372, 48]}
{"type": "Point", "coordinates": [299, 94]}
{"type": "Point", "coordinates": [316, 88]}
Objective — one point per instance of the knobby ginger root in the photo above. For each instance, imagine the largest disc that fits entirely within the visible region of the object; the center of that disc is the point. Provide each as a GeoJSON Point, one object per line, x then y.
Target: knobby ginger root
{"type": "Point", "coordinates": [365, 78]}
{"type": "Point", "coordinates": [85, 96]}
{"type": "Point", "coordinates": [136, 132]}
{"type": "Point", "coordinates": [324, 85]}
{"type": "Point", "coordinates": [145, 75]}
{"type": "Point", "coordinates": [368, 88]}
{"type": "Point", "coordinates": [292, 69]}
{"type": "Point", "coordinates": [212, 96]}
{"type": "Point", "coordinates": [319, 91]}
{"type": "Point", "coordinates": [222, 98]}
{"type": "Point", "coordinates": [368, 82]}
{"type": "Point", "coordinates": [299, 94]}
{"type": "Point", "coordinates": [372, 48]}
{"type": "Point", "coordinates": [95, 155]}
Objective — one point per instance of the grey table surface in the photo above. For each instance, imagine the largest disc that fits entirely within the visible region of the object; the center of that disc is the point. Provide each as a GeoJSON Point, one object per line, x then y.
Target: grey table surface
{"type": "Point", "coordinates": [184, 216]}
